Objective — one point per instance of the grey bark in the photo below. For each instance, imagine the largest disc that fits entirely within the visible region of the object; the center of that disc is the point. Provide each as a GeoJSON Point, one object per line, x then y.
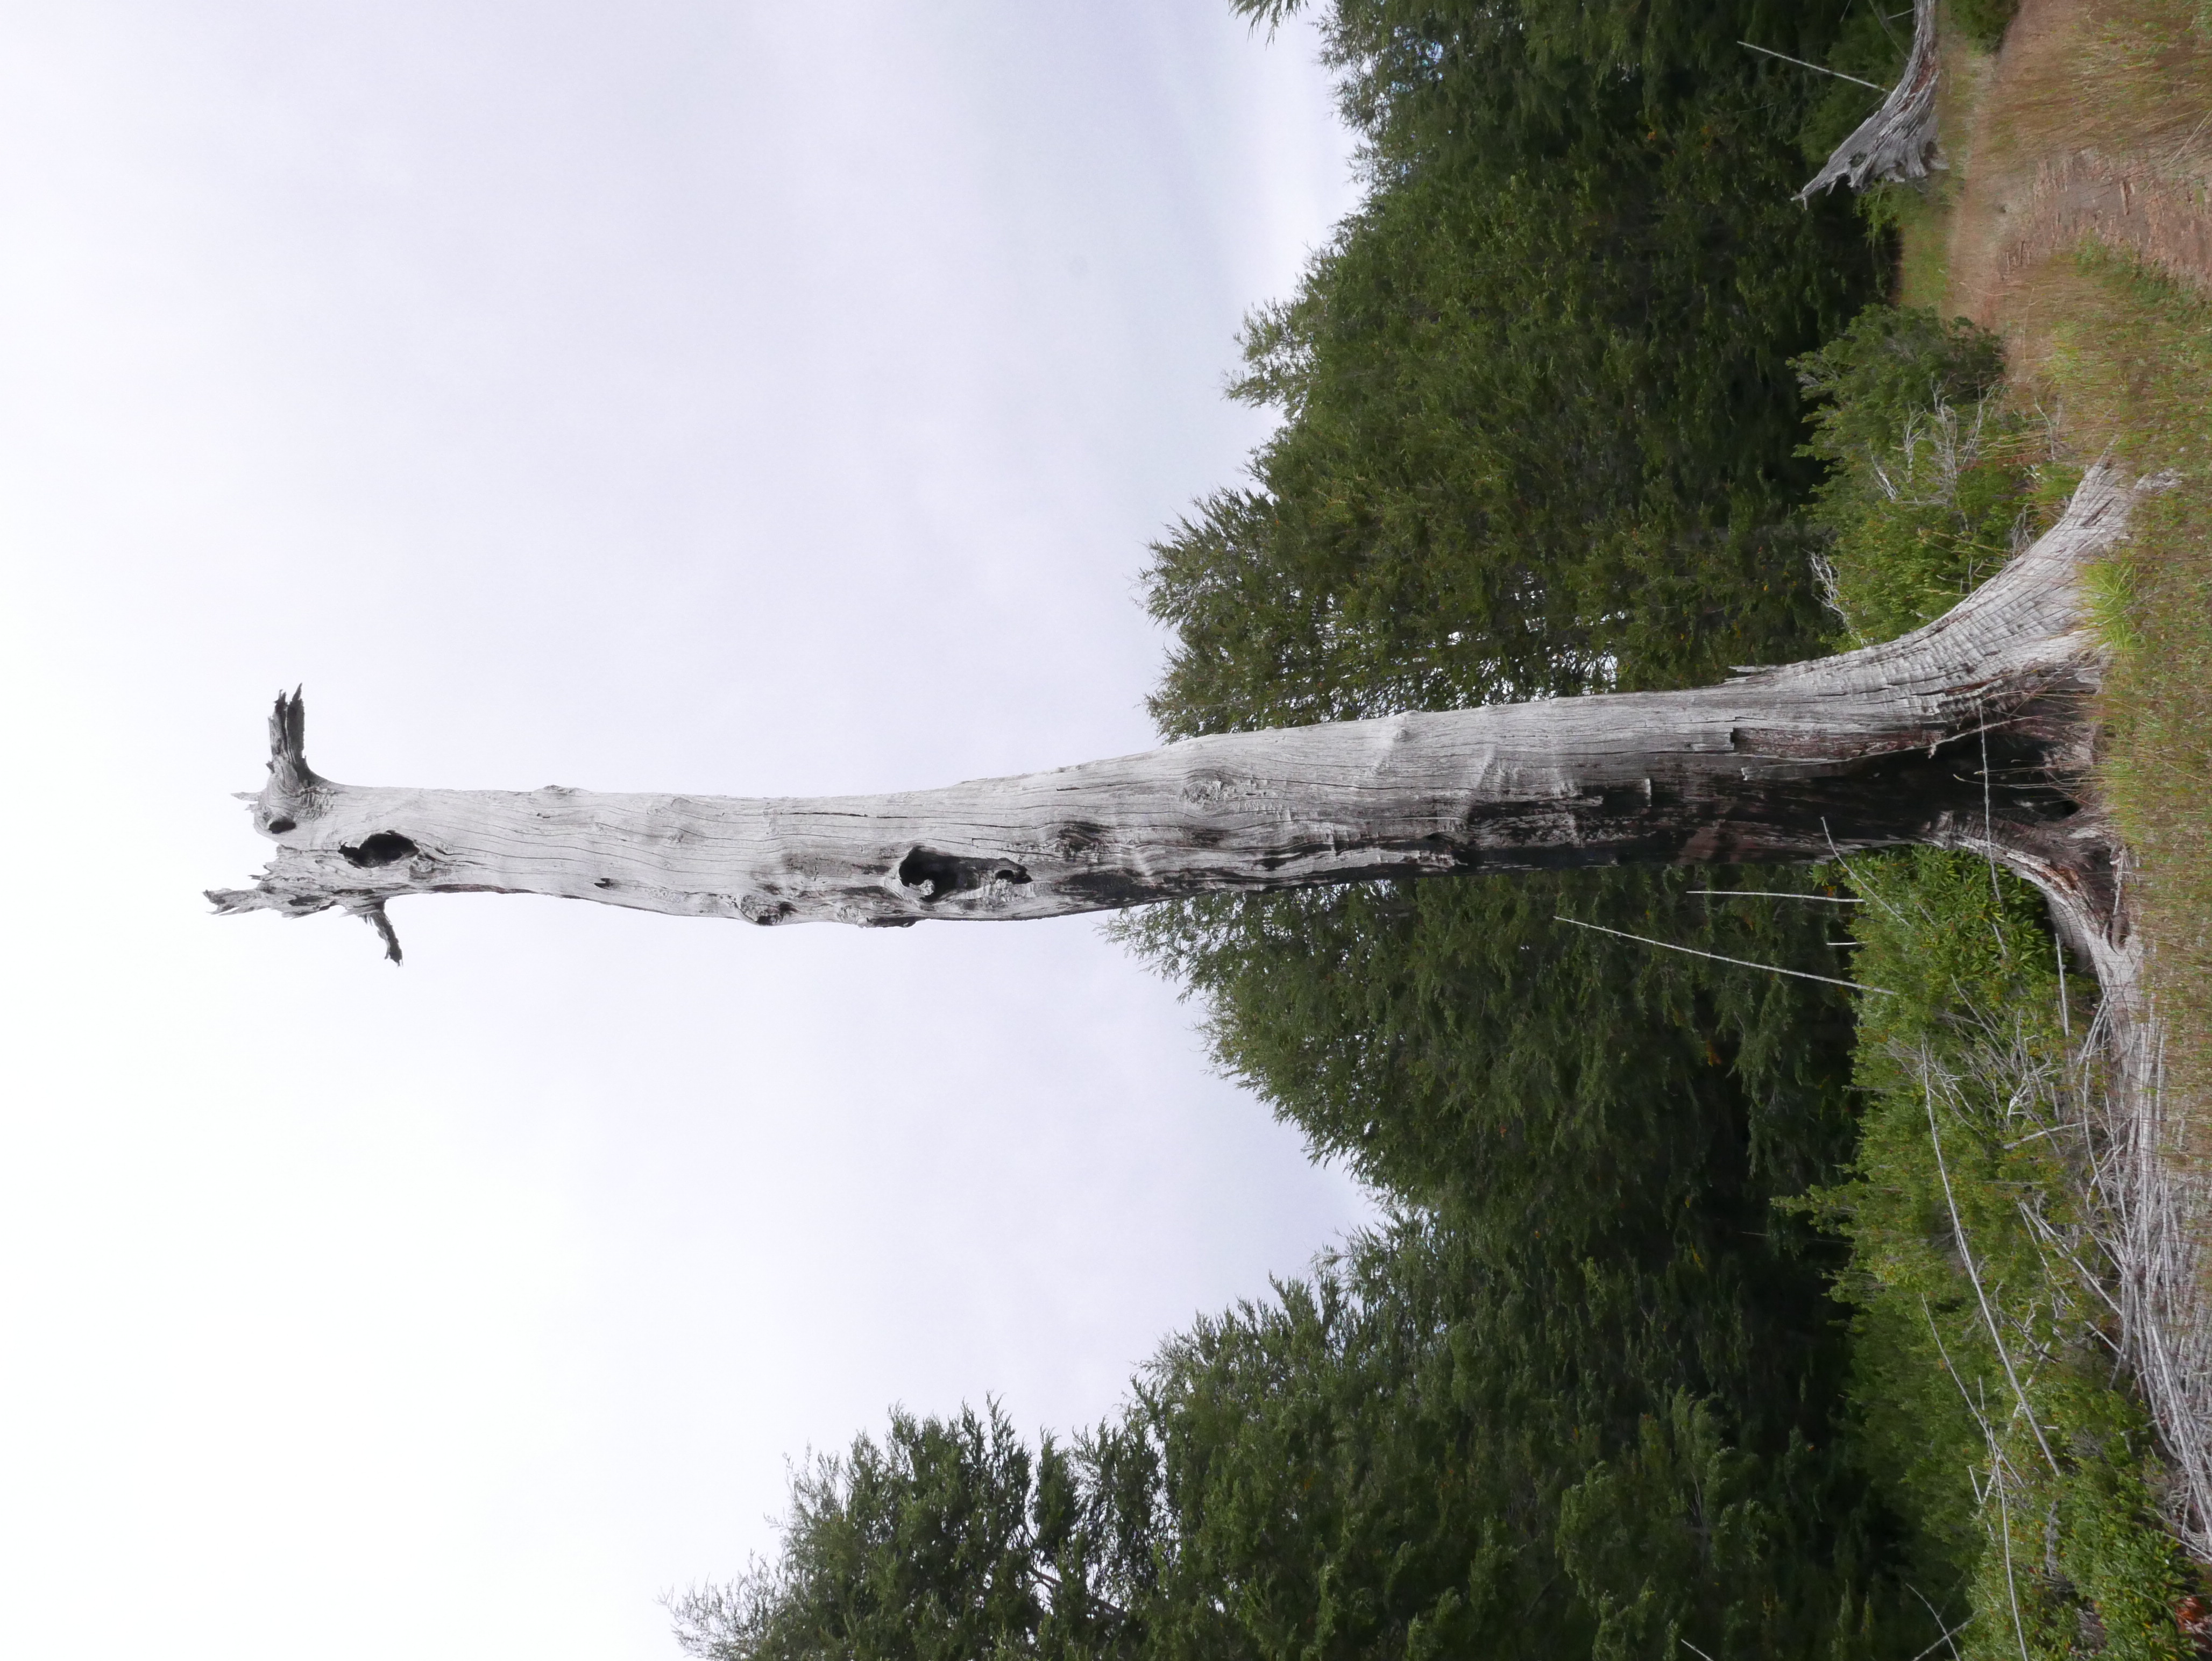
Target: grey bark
{"type": "Point", "coordinates": [1897, 142]}
{"type": "Point", "coordinates": [1965, 733]}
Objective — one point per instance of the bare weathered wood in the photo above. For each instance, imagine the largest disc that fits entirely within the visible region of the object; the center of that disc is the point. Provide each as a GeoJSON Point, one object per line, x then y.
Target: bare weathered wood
{"type": "Point", "coordinates": [1897, 142]}
{"type": "Point", "coordinates": [1875, 748]}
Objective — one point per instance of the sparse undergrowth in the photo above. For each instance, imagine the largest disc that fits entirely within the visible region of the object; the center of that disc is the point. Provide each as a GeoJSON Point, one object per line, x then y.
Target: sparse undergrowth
{"type": "Point", "coordinates": [2129, 80]}
{"type": "Point", "coordinates": [1986, 1382]}
{"type": "Point", "coordinates": [1990, 1397]}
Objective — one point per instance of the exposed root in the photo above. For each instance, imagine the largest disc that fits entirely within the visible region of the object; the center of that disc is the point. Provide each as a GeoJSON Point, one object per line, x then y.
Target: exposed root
{"type": "Point", "coordinates": [2154, 1215]}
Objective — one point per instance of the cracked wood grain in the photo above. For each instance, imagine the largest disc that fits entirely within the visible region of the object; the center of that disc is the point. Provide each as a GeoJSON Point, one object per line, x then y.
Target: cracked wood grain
{"type": "Point", "coordinates": [1898, 141]}
{"type": "Point", "coordinates": [1871, 749]}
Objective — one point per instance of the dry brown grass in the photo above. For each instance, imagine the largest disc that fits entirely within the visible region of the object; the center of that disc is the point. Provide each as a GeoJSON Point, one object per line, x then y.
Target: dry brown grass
{"type": "Point", "coordinates": [2095, 120]}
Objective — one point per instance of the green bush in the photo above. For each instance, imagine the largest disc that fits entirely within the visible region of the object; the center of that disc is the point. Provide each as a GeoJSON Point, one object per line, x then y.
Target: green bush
{"type": "Point", "coordinates": [1934, 479]}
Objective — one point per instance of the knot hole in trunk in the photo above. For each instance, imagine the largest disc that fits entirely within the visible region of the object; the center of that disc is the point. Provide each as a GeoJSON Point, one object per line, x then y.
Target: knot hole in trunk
{"type": "Point", "coordinates": [938, 874]}
{"type": "Point", "coordinates": [384, 848]}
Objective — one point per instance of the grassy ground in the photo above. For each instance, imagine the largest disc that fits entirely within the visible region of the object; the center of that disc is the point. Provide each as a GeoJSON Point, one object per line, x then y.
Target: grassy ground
{"type": "Point", "coordinates": [1984, 1384]}
{"type": "Point", "coordinates": [2091, 122]}
{"type": "Point", "coordinates": [2125, 354]}
{"type": "Point", "coordinates": [2073, 224]}
{"type": "Point", "coordinates": [2079, 228]}
{"type": "Point", "coordinates": [2077, 222]}
{"type": "Point", "coordinates": [1924, 215]}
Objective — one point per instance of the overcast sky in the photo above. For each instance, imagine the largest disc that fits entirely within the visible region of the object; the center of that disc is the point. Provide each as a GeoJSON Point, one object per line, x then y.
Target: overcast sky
{"type": "Point", "coordinates": [740, 397]}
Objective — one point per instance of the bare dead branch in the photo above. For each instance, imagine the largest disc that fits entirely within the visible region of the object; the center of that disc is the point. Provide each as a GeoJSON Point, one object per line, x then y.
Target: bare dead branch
{"type": "Point", "coordinates": [1898, 141]}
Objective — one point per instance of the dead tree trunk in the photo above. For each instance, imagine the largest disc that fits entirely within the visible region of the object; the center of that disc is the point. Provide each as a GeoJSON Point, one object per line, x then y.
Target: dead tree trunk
{"type": "Point", "coordinates": [1966, 733]}
{"type": "Point", "coordinates": [1895, 143]}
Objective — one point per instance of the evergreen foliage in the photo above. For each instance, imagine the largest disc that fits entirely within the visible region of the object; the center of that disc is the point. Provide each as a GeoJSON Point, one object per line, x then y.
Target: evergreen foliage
{"type": "Point", "coordinates": [949, 1540]}
{"type": "Point", "coordinates": [1541, 436]}
{"type": "Point", "coordinates": [1437, 1449]}
{"type": "Point", "coordinates": [1539, 430]}
{"type": "Point", "coordinates": [1461, 1049]}
{"type": "Point", "coordinates": [1428, 1449]}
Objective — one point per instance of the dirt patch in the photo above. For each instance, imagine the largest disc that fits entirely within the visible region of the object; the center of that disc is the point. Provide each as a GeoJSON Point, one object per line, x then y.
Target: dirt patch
{"type": "Point", "coordinates": [2095, 120]}
{"type": "Point", "coordinates": [2085, 195]}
